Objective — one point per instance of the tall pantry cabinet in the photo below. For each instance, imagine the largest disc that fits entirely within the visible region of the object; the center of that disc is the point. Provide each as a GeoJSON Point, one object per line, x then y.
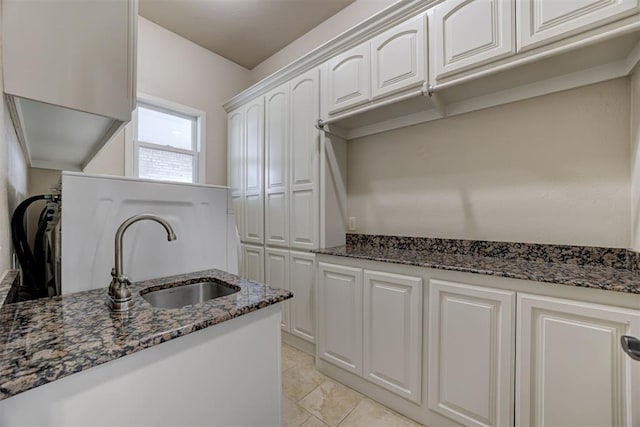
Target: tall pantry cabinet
{"type": "Point", "coordinates": [275, 170]}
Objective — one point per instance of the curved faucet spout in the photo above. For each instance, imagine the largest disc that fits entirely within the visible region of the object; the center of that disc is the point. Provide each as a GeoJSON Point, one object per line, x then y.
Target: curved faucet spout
{"type": "Point", "coordinates": [119, 293]}
{"type": "Point", "coordinates": [126, 224]}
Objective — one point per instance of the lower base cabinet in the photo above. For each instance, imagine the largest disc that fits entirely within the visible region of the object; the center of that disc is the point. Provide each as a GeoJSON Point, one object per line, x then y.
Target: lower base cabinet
{"type": "Point", "coordinates": [471, 353]}
{"type": "Point", "coordinates": [370, 324]}
{"type": "Point", "coordinates": [294, 271]}
{"type": "Point", "coordinates": [496, 352]}
{"type": "Point", "coordinates": [571, 370]}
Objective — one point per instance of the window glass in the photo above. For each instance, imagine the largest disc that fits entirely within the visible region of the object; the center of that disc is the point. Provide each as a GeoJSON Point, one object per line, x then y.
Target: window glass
{"type": "Point", "coordinates": [165, 165]}
{"type": "Point", "coordinates": [161, 128]}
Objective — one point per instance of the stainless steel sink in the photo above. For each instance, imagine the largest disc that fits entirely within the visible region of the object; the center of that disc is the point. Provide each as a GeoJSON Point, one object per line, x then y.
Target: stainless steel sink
{"type": "Point", "coordinates": [183, 295]}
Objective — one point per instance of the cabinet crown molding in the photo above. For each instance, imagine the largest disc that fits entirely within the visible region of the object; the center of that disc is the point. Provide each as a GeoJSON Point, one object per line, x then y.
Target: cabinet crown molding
{"type": "Point", "coordinates": [361, 32]}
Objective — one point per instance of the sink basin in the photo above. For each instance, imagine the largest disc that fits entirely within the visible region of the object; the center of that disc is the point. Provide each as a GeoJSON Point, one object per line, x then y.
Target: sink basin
{"type": "Point", "coordinates": [183, 295]}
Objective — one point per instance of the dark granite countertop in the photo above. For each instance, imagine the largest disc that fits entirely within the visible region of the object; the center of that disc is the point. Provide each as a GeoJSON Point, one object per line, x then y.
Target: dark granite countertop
{"type": "Point", "coordinates": [559, 272]}
{"type": "Point", "coordinates": [50, 338]}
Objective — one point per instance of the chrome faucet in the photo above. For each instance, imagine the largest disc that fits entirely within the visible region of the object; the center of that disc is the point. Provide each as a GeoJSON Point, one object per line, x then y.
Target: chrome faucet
{"type": "Point", "coordinates": [119, 292]}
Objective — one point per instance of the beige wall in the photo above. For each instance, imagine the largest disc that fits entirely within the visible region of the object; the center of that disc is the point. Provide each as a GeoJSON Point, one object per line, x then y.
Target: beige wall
{"type": "Point", "coordinates": [13, 176]}
{"type": "Point", "coordinates": [348, 17]}
{"type": "Point", "coordinates": [552, 169]}
{"type": "Point", "coordinates": [635, 160]}
{"type": "Point", "coordinates": [173, 68]}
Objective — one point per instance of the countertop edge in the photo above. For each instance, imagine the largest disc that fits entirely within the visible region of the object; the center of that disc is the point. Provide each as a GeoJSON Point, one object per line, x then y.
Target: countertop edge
{"type": "Point", "coordinates": [545, 270]}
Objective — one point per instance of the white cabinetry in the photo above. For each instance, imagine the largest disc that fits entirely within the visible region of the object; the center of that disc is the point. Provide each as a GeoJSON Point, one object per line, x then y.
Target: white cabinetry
{"type": "Point", "coordinates": [570, 368]}
{"type": "Point", "coordinates": [471, 353]}
{"type": "Point", "coordinates": [543, 21]}
{"type": "Point", "coordinates": [276, 274]}
{"type": "Point", "coordinates": [370, 324]}
{"type": "Point", "coordinates": [253, 263]}
{"type": "Point", "coordinates": [277, 166]}
{"type": "Point", "coordinates": [69, 68]}
{"type": "Point", "coordinates": [398, 57]}
{"type": "Point", "coordinates": [393, 332]}
{"type": "Point", "coordinates": [253, 136]}
{"type": "Point", "coordinates": [340, 316]}
{"type": "Point", "coordinates": [305, 161]}
{"type": "Point", "coordinates": [469, 33]}
{"type": "Point", "coordinates": [302, 283]}
{"type": "Point", "coordinates": [349, 78]}
{"type": "Point", "coordinates": [389, 63]}
{"type": "Point", "coordinates": [235, 170]}
{"type": "Point", "coordinates": [245, 146]}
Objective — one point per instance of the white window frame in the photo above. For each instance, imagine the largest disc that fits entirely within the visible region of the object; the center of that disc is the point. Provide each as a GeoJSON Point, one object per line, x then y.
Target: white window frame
{"type": "Point", "coordinates": [131, 130]}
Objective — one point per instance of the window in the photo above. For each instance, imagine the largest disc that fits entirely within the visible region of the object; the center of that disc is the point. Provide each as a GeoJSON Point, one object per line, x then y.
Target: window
{"type": "Point", "coordinates": [167, 142]}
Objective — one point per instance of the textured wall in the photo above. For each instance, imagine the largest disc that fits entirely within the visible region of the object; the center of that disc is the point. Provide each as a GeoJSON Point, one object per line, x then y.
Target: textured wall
{"type": "Point", "coordinates": [552, 169]}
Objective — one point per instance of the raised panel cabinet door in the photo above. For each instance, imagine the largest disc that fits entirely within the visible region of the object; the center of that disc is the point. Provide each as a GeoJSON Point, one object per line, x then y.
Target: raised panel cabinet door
{"type": "Point", "coordinates": [253, 263]}
{"type": "Point", "coordinates": [253, 146]}
{"type": "Point", "coordinates": [276, 215]}
{"type": "Point", "coordinates": [276, 275]}
{"type": "Point", "coordinates": [471, 353]}
{"type": "Point", "coordinates": [393, 332]}
{"type": "Point", "coordinates": [349, 78]}
{"type": "Point", "coordinates": [340, 316]}
{"type": "Point", "coordinates": [398, 57]}
{"type": "Point", "coordinates": [544, 21]}
{"type": "Point", "coordinates": [305, 161]}
{"type": "Point", "coordinates": [253, 206]}
{"type": "Point", "coordinates": [253, 219]}
{"type": "Point", "coordinates": [570, 367]}
{"type": "Point", "coordinates": [302, 308]}
{"type": "Point", "coordinates": [235, 167]}
{"type": "Point", "coordinates": [468, 33]}
{"type": "Point", "coordinates": [238, 214]}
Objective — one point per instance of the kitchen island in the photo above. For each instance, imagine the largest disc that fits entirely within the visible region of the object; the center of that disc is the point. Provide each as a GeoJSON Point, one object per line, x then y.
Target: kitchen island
{"type": "Point", "coordinates": [213, 363]}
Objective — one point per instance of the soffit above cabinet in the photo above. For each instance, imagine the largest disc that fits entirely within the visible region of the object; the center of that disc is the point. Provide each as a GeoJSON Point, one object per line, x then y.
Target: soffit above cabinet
{"type": "Point", "coordinates": [55, 137]}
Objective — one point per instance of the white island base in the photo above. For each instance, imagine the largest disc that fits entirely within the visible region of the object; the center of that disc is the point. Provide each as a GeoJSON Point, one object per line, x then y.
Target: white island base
{"type": "Point", "coordinates": [225, 375]}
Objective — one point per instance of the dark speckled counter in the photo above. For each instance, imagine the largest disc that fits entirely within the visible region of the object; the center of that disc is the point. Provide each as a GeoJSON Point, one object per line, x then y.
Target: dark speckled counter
{"type": "Point", "coordinates": [598, 268]}
{"type": "Point", "coordinates": [48, 339]}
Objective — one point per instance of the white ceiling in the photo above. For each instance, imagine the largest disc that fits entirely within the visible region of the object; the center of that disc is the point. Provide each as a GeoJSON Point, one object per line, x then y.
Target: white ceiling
{"type": "Point", "coordinates": [244, 31]}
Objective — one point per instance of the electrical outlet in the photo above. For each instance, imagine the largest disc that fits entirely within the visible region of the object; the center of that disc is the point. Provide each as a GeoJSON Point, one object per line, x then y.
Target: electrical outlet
{"type": "Point", "coordinates": [352, 223]}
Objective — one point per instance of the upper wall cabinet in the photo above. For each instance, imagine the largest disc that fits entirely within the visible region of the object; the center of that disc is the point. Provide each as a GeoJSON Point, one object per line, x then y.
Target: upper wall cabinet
{"type": "Point", "coordinates": [545, 21]}
{"type": "Point", "coordinates": [469, 33]}
{"type": "Point", "coordinates": [349, 78]}
{"type": "Point", "coordinates": [389, 63]}
{"type": "Point", "coordinates": [69, 68]}
{"type": "Point", "coordinates": [397, 57]}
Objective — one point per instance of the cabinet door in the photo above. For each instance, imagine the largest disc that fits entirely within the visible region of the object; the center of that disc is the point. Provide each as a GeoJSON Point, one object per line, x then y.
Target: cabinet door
{"type": "Point", "coordinates": [238, 214]}
{"type": "Point", "coordinates": [305, 162]}
{"type": "Point", "coordinates": [277, 276]}
{"type": "Point", "coordinates": [75, 54]}
{"type": "Point", "coordinates": [398, 57]}
{"type": "Point", "coordinates": [253, 171]}
{"type": "Point", "coordinates": [253, 263]}
{"type": "Point", "coordinates": [544, 21]}
{"type": "Point", "coordinates": [570, 367]}
{"type": "Point", "coordinates": [393, 332]}
{"type": "Point", "coordinates": [469, 33]}
{"type": "Point", "coordinates": [340, 316]}
{"type": "Point", "coordinates": [236, 156]}
{"type": "Point", "coordinates": [302, 282]}
{"type": "Point", "coordinates": [349, 78]}
{"type": "Point", "coordinates": [276, 216]}
{"type": "Point", "coordinates": [471, 353]}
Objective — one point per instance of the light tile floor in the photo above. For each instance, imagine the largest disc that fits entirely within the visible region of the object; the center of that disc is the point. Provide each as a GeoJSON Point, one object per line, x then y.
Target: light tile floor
{"type": "Point", "coordinates": [310, 399]}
